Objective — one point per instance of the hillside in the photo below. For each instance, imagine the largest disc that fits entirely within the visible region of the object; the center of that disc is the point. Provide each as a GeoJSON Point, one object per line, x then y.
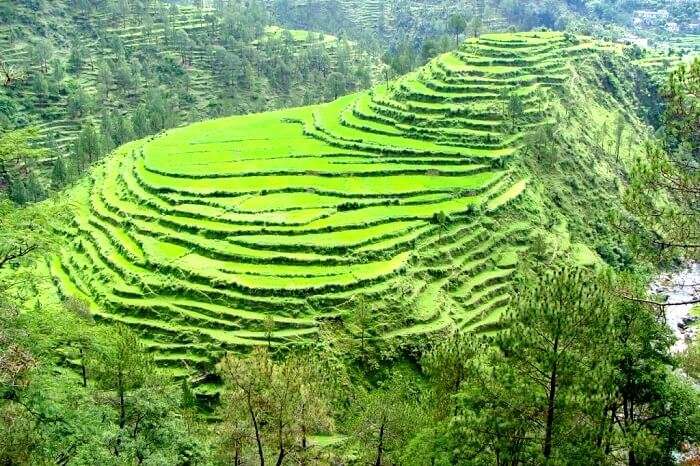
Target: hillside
{"type": "Point", "coordinates": [415, 201]}
{"type": "Point", "coordinates": [169, 64]}
{"type": "Point", "coordinates": [394, 21]}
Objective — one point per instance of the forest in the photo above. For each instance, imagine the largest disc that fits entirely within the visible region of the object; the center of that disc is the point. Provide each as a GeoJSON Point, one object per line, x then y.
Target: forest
{"type": "Point", "coordinates": [349, 232]}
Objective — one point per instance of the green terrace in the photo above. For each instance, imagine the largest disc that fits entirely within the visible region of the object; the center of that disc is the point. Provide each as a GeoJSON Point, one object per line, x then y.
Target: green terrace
{"type": "Point", "coordinates": [250, 230]}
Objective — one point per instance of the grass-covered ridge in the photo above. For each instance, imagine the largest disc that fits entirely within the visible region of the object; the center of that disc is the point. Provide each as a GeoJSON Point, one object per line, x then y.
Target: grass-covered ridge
{"type": "Point", "coordinates": [251, 230]}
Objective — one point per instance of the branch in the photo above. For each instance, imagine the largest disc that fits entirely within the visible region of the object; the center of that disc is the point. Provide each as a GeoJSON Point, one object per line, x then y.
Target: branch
{"type": "Point", "coordinates": [21, 252]}
{"type": "Point", "coordinates": [656, 303]}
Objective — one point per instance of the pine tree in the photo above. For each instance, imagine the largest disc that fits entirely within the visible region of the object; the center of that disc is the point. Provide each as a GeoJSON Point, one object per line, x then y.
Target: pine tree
{"type": "Point", "coordinates": [89, 144]}
{"type": "Point", "coordinates": [35, 191]}
{"type": "Point", "coordinates": [556, 325]}
{"type": "Point", "coordinates": [120, 367]}
{"type": "Point", "coordinates": [18, 192]}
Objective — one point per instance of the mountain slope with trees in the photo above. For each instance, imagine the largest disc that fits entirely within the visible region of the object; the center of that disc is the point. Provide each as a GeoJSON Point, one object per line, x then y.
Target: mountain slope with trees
{"type": "Point", "coordinates": [93, 75]}
{"type": "Point", "coordinates": [451, 267]}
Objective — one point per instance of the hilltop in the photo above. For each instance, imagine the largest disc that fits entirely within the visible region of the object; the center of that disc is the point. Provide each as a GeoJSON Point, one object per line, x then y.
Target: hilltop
{"type": "Point", "coordinates": [414, 200]}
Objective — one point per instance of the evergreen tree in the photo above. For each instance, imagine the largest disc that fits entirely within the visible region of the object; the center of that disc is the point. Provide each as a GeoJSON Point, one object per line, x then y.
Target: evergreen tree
{"type": "Point", "coordinates": [88, 145]}
{"type": "Point", "coordinates": [536, 394]}
{"type": "Point", "coordinates": [121, 367]}
{"type": "Point", "coordinates": [139, 122]}
{"type": "Point", "coordinates": [456, 25]}
{"type": "Point", "coordinates": [17, 192]}
{"type": "Point", "coordinates": [76, 57]}
{"type": "Point", "coordinates": [42, 52]}
{"type": "Point", "coordinates": [35, 191]}
{"type": "Point", "coordinates": [59, 173]}
{"type": "Point", "coordinates": [384, 419]}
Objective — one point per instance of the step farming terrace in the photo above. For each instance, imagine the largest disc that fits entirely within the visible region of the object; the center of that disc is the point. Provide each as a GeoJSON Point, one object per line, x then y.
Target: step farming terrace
{"type": "Point", "coordinates": [251, 230]}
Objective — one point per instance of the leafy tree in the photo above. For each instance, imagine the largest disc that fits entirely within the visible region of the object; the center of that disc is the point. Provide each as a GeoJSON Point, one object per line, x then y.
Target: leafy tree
{"type": "Point", "coordinates": [25, 234]}
{"type": "Point", "coordinates": [42, 52]}
{"type": "Point", "coordinates": [11, 73]}
{"type": "Point", "coordinates": [384, 419]}
{"type": "Point", "coordinates": [456, 25]}
{"type": "Point", "coordinates": [18, 153]}
{"type": "Point", "coordinates": [277, 404]}
{"type": "Point", "coordinates": [690, 360]}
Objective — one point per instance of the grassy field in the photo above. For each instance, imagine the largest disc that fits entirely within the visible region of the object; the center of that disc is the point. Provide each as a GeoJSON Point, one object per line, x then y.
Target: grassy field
{"type": "Point", "coordinates": [245, 230]}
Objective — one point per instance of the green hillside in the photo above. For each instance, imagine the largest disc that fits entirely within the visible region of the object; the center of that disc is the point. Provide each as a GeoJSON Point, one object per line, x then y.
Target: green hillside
{"type": "Point", "coordinates": [414, 199]}
{"type": "Point", "coordinates": [101, 63]}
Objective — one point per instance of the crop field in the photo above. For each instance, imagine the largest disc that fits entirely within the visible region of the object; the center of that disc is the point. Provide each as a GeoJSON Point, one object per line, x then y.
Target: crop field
{"type": "Point", "coordinates": [670, 54]}
{"type": "Point", "coordinates": [253, 229]}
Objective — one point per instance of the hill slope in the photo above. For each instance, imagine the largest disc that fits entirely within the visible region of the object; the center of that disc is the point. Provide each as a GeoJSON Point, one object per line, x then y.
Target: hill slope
{"type": "Point", "coordinates": [413, 199]}
{"type": "Point", "coordinates": [93, 64]}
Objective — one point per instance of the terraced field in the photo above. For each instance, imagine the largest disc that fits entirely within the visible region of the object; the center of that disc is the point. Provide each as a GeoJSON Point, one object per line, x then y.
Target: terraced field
{"type": "Point", "coordinates": [206, 88]}
{"type": "Point", "coordinates": [668, 55]}
{"type": "Point", "coordinates": [251, 230]}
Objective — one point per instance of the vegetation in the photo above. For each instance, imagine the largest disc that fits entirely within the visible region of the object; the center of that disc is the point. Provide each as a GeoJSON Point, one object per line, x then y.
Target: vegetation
{"type": "Point", "coordinates": [117, 71]}
{"type": "Point", "coordinates": [448, 268]}
{"type": "Point", "coordinates": [342, 201]}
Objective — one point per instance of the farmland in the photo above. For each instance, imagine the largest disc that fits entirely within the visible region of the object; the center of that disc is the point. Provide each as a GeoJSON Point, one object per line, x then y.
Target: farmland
{"type": "Point", "coordinates": [193, 49]}
{"type": "Point", "coordinates": [252, 230]}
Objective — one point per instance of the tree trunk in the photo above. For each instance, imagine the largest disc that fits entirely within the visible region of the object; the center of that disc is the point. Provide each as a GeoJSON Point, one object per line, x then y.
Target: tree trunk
{"type": "Point", "coordinates": [380, 447]}
{"type": "Point", "coordinates": [280, 457]}
{"type": "Point", "coordinates": [83, 369]}
{"type": "Point", "coordinates": [631, 458]}
{"type": "Point", "coordinates": [282, 451]}
{"type": "Point", "coordinates": [547, 451]}
{"type": "Point", "coordinates": [122, 413]}
{"type": "Point", "coordinates": [122, 405]}
{"type": "Point", "coordinates": [261, 454]}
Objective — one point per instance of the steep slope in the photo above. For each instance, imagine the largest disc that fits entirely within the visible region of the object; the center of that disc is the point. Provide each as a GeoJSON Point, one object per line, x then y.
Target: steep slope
{"type": "Point", "coordinates": [414, 198]}
{"type": "Point", "coordinates": [202, 67]}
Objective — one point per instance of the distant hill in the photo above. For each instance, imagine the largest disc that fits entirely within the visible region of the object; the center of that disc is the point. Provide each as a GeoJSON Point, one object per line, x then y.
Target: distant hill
{"type": "Point", "coordinates": [414, 201]}
{"type": "Point", "coordinates": [138, 71]}
{"type": "Point", "coordinates": [393, 21]}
